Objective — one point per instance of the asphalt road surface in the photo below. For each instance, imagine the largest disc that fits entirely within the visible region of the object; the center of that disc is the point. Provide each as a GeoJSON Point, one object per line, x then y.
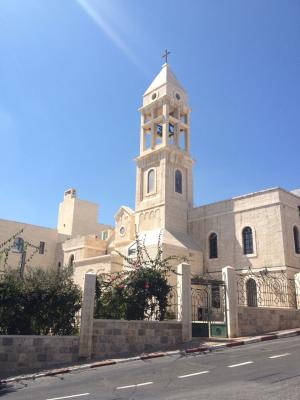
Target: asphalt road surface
{"type": "Point", "coordinates": [261, 371]}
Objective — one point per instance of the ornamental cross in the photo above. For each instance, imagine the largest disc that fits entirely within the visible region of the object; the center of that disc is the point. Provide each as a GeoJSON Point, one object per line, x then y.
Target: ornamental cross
{"type": "Point", "coordinates": [165, 55]}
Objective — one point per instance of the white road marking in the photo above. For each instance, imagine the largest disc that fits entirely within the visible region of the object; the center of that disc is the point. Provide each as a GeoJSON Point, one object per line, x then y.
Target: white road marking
{"type": "Point", "coordinates": [69, 397]}
{"type": "Point", "coordinates": [280, 355]}
{"type": "Point", "coordinates": [134, 386]}
{"type": "Point", "coordinates": [238, 365]}
{"type": "Point", "coordinates": [196, 373]}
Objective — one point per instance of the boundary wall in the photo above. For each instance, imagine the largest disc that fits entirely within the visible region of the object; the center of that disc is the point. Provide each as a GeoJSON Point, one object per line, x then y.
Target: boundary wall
{"type": "Point", "coordinates": [23, 353]}
{"type": "Point", "coordinates": [258, 320]}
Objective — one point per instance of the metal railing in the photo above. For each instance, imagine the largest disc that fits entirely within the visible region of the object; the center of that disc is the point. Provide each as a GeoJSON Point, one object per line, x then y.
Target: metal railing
{"type": "Point", "coordinates": [266, 289]}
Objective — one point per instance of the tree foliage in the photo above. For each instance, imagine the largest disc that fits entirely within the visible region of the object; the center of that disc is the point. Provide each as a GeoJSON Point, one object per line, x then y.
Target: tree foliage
{"type": "Point", "coordinates": [140, 291]}
{"type": "Point", "coordinates": [43, 302]}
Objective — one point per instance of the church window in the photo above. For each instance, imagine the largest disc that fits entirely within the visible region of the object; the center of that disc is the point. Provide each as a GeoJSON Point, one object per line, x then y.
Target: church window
{"type": "Point", "coordinates": [213, 246]}
{"type": "Point", "coordinates": [296, 239]}
{"type": "Point", "coordinates": [71, 260]}
{"type": "Point", "coordinates": [150, 181]}
{"type": "Point", "coordinates": [251, 293]}
{"type": "Point", "coordinates": [42, 248]}
{"type": "Point", "coordinates": [247, 240]}
{"type": "Point", "coordinates": [18, 245]}
{"type": "Point", "coordinates": [178, 181]}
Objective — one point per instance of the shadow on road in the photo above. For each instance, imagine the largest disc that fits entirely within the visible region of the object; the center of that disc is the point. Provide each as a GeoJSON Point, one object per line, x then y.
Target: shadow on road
{"type": "Point", "coordinates": [6, 388]}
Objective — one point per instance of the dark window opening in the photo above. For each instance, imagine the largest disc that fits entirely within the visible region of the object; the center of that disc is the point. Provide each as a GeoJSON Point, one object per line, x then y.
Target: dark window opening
{"type": "Point", "coordinates": [178, 181]}
{"type": "Point", "coordinates": [247, 240]}
{"type": "Point", "coordinates": [42, 248]}
{"type": "Point", "coordinates": [296, 240]}
{"type": "Point", "coordinates": [71, 260]}
{"type": "Point", "coordinates": [213, 246]}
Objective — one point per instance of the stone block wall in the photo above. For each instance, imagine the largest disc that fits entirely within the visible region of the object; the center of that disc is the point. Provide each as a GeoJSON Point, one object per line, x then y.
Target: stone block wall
{"type": "Point", "coordinates": [119, 337]}
{"type": "Point", "coordinates": [257, 320]}
{"type": "Point", "coordinates": [22, 354]}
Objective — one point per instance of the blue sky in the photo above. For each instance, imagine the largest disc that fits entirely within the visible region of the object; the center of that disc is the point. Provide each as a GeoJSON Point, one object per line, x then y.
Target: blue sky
{"type": "Point", "coordinates": [72, 75]}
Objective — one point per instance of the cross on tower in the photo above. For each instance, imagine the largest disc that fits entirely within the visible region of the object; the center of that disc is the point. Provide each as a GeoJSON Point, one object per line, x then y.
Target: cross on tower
{"type": "Point", "coordinates": [165, 55]}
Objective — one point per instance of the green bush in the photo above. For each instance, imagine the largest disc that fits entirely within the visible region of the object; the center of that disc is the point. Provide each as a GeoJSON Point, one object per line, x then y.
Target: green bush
{"type": "Point", "coordinates": [43, 302]}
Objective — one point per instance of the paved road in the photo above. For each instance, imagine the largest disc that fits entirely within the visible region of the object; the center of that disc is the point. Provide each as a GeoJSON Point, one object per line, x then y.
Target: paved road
{"type": "Point", "coordinates": [266, 370]}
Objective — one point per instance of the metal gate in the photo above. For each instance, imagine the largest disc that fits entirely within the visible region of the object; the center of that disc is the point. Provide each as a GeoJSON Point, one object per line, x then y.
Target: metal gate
{"type": "Point", "coordinates": [208, 308]}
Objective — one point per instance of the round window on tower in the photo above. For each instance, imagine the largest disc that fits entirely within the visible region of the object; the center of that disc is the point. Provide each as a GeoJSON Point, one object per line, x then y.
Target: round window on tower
{"type": "Point", "coordinates": [122, 230]}
{"type": "Point", "coordinates": [177, 95]}
{"type": "Point", "coordinates": [153, 97]}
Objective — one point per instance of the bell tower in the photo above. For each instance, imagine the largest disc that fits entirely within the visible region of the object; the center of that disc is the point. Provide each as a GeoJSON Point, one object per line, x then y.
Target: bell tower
{"type": "Point", "coordinates": [164, 191]}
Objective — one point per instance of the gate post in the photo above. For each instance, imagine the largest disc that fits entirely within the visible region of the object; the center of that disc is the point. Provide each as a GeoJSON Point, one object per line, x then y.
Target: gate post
{"type": "Point", "coordinates": [185, 300]}
{"type": "Point", "coordinates": [87, 316]}
{"type": "Point", "coordinates": [297, 289]}
{"type": "Point", "coordinates": [229, 277]}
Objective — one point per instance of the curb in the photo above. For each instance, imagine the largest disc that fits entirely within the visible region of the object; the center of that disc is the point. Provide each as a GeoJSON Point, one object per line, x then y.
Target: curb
{"type": "Point", "coordinates": [200, 349]}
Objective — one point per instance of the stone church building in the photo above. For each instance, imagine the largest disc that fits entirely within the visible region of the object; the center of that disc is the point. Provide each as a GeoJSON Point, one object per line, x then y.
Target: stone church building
{"type": "Point", "coordinates": [256, 230]}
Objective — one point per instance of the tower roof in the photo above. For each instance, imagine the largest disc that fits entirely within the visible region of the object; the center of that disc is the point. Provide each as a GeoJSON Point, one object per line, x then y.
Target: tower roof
{"type": "Point", "coordinates": [165, 77]}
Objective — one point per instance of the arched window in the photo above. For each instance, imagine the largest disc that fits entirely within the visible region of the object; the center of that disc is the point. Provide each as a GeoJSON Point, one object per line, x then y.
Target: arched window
{"type": "Point", "coordinates": [150, 181]}
{"type": "Point", "coordinates": [251, 293]}
{"type": "Point", "coordinates": [213, 245]}
{"type": "Point", "coordinates": [296, 240]}
{"type": "Point", "coordinates": [247, 240]}
{"type": "Point", "coordinates": [178, 181]}
{"type": "Point", "coordinates": [71, 260]}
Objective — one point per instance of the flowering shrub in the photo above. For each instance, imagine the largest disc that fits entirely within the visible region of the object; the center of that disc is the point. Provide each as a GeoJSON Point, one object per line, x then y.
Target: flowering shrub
{"type": "Point", "coordinates": [140, 291]}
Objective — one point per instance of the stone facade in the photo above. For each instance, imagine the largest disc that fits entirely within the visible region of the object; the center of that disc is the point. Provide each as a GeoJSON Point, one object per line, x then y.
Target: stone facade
{"type": "Point", "coordinates": [258, 320]}
{"type": "Point", "coordinates": [164, 208]}
{"type": "Point", "coordinates": [271, 214]}
{"type": "Point", "coordinates": [114, 338]}
{"type": "Point", "coordinates": [21, 354]}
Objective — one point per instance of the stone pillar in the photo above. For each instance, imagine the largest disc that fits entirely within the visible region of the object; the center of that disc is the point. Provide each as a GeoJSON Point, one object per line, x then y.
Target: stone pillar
{"type": "Point", "coordinates": [87, 316]}
{"type": "Point", "coordinates": [185, 300]}
{"type": "Point", "coordinates": [229, 277]}
{"type": "Point", "coordinates": [297, 288]}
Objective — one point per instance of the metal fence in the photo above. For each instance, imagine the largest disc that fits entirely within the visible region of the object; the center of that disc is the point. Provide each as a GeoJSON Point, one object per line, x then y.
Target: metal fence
{"type": "Point", "coordinates": [266, 289]}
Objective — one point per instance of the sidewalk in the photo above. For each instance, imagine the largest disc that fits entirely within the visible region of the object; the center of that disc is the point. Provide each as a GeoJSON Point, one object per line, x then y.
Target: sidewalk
{"type": "Point", "coordinates": [197, 345]}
